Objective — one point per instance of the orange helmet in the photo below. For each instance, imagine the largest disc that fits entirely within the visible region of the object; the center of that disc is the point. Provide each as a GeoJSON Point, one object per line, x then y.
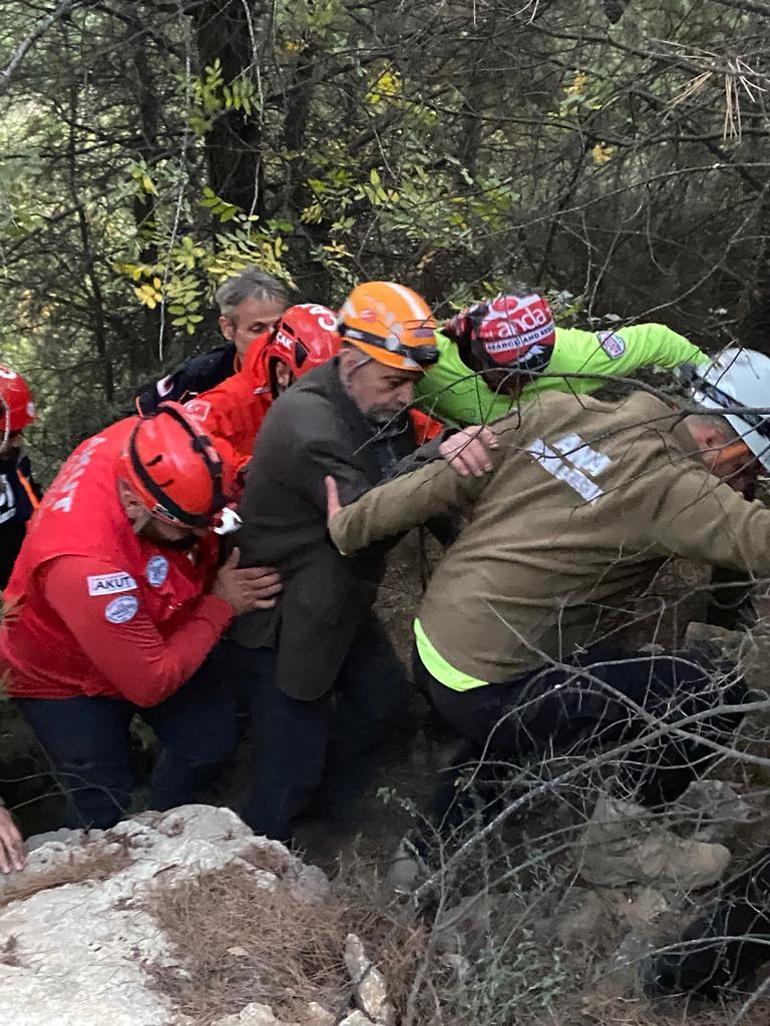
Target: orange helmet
{"type": "Point", "coordinates": [391, 324]}
{"type": "Point", "coordinates": [174, 468]}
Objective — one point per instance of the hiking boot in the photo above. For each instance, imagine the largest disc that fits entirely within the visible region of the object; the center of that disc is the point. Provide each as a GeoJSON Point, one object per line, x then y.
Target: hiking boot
{"type": "Point", "coordinates": [406, 868]}
{"type": "Point", "coordinates": [623, 844]}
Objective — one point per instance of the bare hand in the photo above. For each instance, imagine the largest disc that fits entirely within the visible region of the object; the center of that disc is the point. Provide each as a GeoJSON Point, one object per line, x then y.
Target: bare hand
{"type": "Point", "coordinates": [254, 587]}
{"type": "Point", "coordinates": [467, 451]}
{"type": "Point", "coordinates": [332, 499]}
{"type": "Point", "coordinates": [11, 845]}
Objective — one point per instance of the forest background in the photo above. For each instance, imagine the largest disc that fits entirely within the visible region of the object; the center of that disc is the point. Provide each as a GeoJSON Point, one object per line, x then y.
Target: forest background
{"type": "Point", "coordinates": [612, 152]}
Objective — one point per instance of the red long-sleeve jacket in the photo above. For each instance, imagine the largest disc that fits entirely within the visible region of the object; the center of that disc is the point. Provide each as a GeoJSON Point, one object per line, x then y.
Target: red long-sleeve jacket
{"type": "Point", "coordinates": [93, 608]}
{"type": "Point", "coordinates": [232, 412]}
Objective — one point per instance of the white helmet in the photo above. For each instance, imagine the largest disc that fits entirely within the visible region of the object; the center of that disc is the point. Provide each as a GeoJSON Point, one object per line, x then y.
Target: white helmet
{"type": "Point", "coordinates": [735, 378]}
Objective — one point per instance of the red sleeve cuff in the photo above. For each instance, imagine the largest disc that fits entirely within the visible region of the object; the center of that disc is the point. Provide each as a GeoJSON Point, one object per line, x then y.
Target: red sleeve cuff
{"type": "Point", "coordinates": [218, 612]}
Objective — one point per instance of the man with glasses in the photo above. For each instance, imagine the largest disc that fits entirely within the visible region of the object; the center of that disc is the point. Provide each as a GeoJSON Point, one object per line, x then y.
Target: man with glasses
{"type": "Point", "coordinates": [323, 681]}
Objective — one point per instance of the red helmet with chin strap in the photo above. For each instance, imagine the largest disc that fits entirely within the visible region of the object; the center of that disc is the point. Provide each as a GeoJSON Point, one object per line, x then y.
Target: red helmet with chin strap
{"type": "Point", "coordinates": [17, 407]}
{"type": "Point", "coordinates": [174, 468]}
{"type": "Point", "coordinates": [304, 338]}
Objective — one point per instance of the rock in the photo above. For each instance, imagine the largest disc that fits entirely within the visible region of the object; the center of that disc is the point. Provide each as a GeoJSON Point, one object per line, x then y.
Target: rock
{"type": "Point", "coordinates": [459, 964]}
{"type": "Point", "coordinates": [253, 1015]}
{"type": "Point", "coordinates": [312, 882]}
{"type": "Point", "coordinates": [455, 927]}
{"type": "Point", "coordinates": [583, 925]}
{"type": "Point", "coordinates": [317, 1016]}
{"type": "Point", "coordinates": [356, 1019]}
{"type": "Point", "coordinates": [623, 844]}
{"type": "Point", "coordinates": [748, 650]}
{"type": "Point", "coordinates": [404, 870]}
{"type": "Point", "coordinates": [369, 987]}
{"type": "Point", "coordinates": [64, 835]}
{"type": "Point", "coordinates": [80, 943]}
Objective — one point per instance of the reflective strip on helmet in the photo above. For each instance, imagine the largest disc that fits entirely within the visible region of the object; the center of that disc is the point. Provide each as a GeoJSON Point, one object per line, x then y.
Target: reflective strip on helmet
{"type": "Point", "coordinates": [756, 421]}
{"type": "Point", "coordinates": [412, 300]}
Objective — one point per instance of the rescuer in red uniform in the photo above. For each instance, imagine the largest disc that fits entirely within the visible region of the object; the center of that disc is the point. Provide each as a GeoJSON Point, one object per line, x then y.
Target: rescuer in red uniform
{"type": "Point", "coordinates": [115, 601]}
{"type": "Point", "coordinates": [232, 412]}
{"type": "Point", "coordinates": [19, 494]}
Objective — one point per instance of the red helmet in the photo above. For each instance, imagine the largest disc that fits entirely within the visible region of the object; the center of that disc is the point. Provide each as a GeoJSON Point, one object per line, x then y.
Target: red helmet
{"type": "Point", "coordinates": [174, 469]}
{"type": "Point", "coordinates": [304, 338]}
{"type": "Point", "coordinates": [514, 333]}
{"type": "Point", "coordinates": [17, 407]}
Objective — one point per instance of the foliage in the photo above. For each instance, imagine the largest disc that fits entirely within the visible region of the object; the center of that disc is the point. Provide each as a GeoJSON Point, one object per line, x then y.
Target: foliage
{"type": "Point", "coordinates": [613, 150]}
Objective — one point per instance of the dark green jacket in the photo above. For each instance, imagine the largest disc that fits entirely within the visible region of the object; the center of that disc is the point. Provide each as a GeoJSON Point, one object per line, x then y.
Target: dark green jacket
{"type": "Point", "coordinates": [314, 429]}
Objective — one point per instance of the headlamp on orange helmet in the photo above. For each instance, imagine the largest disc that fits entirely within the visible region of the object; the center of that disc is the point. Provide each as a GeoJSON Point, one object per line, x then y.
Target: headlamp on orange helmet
{"type": "Point", "coordinates": [174, 468]}
{"type": "Point", "coordinates": [391, 324]}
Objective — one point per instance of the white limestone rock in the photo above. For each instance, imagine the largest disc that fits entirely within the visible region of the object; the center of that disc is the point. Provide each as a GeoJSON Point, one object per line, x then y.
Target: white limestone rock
{"type": "Point", "coordinates": [369, 986]}
{"type": "Point", "coordinates": [75, 953]}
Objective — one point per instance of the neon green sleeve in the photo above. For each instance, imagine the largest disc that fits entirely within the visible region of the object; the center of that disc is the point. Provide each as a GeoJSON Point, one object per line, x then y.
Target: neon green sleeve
{"type": "Point", "coordinates": [655, 344]}
{"type": "Point", "coordinates": [591, 356]}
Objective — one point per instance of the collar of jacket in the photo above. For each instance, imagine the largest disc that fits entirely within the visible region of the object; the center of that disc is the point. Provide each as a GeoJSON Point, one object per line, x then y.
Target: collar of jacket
{"type": "Point", "coordinates": [364, 433]}
{"type": "Point", "coordinates": [682, 436]}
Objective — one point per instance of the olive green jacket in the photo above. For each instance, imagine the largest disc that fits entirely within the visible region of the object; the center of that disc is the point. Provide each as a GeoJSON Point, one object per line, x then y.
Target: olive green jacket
{"type": "Point", "coordinates": [586, 500]}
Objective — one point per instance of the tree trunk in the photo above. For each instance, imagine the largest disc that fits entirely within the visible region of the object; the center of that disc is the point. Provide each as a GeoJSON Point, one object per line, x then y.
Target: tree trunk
{"type": "Point", "coordinates": [224, 30]}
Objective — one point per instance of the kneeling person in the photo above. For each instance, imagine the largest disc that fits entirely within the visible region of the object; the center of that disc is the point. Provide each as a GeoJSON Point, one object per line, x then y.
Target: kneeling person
{"type": "Point", "coordinates": [115, 601]}
{"type": "Point", "coordinates": [586, 502]}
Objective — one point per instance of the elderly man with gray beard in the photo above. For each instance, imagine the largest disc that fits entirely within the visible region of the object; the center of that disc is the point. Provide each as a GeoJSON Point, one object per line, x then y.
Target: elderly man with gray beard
{"type": "Point", "coordinates": [322, 679]}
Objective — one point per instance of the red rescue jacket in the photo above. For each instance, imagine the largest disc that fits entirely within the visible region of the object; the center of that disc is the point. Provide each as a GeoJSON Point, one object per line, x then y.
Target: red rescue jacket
{"type": "Point", "coordinates": [94, 609]}
{"type": "Point", "coordinates": [233, 411]}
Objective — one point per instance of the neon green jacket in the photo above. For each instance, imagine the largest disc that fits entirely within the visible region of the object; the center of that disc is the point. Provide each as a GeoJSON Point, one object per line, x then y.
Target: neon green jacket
{"type": "Point", "coordinates": [452, 391]}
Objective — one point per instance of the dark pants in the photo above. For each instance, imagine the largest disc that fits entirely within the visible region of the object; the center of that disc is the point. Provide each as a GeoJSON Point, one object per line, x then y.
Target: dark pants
{"type": "Point", "coordinates": [302, 745]}
{"type": "Point", "coordinates": [725, 945]}
{"type": "Point", "coordinates": [88, 742]}
{"type": "Point", "coordinates": [729, 603]}
{"type": "Point", "coordinates": [589, 704]}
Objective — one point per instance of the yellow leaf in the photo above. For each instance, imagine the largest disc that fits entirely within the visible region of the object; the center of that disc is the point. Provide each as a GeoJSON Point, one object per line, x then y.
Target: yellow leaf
{"type": "Point", "coordinates": [579, 83]}
{"type": "Point", "coordinates": [601, 153]}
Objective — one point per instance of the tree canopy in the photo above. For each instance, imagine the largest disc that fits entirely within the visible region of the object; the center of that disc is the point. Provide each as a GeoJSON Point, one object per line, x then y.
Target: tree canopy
{"type": "Point", "coordinates": [614, 152]}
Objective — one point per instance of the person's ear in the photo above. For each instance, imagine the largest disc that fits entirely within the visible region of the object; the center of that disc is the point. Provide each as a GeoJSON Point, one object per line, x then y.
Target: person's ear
{"type": "Point", "coordinates": [133, 508]}
{"type": "Point", "coordinates": [227, 327]}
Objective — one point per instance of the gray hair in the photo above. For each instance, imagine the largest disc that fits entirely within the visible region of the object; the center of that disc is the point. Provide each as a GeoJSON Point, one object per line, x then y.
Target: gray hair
{"type": "Point", "coordinates": [250, 283]}
{"type": "Point", "coordinates": [717, 423]}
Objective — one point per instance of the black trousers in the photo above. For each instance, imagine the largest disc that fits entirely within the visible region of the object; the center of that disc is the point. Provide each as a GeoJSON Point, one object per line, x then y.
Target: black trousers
{"type": "Point", "coordinates": [88, 743]}
{"type": "Point", "coordinates": [729, 603]}
{"type": "Point", "coordinates": [329, 741]}
{"type": "Point", "coordinates": [723, 946]}
{"type": "Point", "coordinates": [599, 700]}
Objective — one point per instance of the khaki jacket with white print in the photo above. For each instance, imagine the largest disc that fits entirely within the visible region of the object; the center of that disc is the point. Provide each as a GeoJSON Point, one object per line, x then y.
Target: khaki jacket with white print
{"type": "Point", "coordinates": [586, 500]}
